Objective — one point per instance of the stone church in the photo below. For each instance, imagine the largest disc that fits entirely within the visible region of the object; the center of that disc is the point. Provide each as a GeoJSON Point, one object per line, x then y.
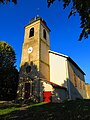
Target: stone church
{"type": "Point", "coordinates": [46, 75]}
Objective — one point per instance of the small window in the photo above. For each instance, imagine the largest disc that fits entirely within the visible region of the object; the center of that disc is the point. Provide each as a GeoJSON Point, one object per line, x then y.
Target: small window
{"type": "Point", "coordinates": [80, 84]}
{"type": "Point", "coordinates": [83, 85]}
{"type": "Point", "coordinates": [75, 81]}
{"type": "Point", "coordinates": [44, 34]}
{"type": "Point", "coordinates": [31, 32]}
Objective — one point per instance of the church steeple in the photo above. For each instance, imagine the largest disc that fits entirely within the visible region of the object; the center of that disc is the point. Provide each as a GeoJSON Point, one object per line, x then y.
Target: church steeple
{"type": "Point", "coordinates": [36, 45]}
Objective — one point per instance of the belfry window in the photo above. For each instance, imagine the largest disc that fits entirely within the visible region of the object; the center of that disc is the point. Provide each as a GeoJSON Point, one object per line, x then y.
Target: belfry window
{"type": "Point", "coordinates": [31, 32]}
{"type": "Point", "coordinates": [44, 34]}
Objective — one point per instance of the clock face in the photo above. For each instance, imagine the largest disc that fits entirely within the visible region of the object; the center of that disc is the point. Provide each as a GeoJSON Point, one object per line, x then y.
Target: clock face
{"type": "Point", "coordinates": [30, 49]}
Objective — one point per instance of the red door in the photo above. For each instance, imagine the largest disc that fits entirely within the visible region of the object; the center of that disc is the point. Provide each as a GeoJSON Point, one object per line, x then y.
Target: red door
{"type": "Point", "coordinates": [47, 96]}
{"type": "Point", "coordinates": [27, 90]}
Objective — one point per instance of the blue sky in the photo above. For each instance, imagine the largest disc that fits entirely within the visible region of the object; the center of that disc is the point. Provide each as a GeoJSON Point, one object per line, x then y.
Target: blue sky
{"type": "Point", "coordinates": [64, 33]}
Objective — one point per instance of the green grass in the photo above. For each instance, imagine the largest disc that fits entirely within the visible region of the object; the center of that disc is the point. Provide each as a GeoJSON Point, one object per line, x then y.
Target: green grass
{"type": "Point", "coordinates": [69, 110]}
{"type": "Point", "coordinates": [11, 109]}
{"type": "Point", "coordinates": [8, 110]}
{"type": "Point", "coordinates": [38, 104]}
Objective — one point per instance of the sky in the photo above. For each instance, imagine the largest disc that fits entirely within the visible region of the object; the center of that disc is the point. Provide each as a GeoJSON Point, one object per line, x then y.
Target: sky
{"type": "Point", "coordinates": [64, 32]}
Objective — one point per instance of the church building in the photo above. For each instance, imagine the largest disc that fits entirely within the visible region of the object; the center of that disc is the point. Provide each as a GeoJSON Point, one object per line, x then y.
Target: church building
{"type": "Point", "coordinates": [46, 75]}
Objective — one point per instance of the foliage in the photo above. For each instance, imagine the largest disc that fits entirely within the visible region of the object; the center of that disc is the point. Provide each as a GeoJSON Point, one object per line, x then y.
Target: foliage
{"type": "Point", "coordinates": [82, 7]}
{"type": "Point", "coordinates": [6, 1]}
{"type": "Point", "coordinates": [8, 72]}
{"type": "Point", "coordinates": [7, 56]}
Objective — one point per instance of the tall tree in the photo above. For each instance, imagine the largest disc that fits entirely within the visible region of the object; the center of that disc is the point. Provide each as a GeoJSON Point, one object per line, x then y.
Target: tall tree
{"type": "Point", "coordinates": [82, 7]}
{"type": "Point", "coordinates": [8, 72]}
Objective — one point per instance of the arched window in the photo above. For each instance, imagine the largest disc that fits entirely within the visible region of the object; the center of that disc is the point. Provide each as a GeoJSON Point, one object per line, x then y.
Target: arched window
{"type": "Point", "coordinates": [31, 32]}
{"type": "Point", "coordinates": [44, 34]}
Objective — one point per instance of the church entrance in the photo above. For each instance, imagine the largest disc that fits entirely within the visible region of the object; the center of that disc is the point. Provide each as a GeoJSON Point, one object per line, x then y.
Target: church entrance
{"type": "Point", "coordinates": [27, 90]}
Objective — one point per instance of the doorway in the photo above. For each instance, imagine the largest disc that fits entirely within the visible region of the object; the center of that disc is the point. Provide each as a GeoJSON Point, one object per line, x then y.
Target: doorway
{"type": "Point", "coordinates": [27, 90]}
{"type": "Point", "coordinates": [47, 96]}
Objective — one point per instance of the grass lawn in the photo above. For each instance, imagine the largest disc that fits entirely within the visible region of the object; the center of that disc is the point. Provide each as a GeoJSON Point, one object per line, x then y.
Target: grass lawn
{"type": "Point", "coordinates": [71, 110]}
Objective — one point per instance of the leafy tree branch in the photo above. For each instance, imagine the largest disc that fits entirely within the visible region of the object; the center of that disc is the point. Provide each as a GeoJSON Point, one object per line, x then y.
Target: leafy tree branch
{"type": "Point", "coordinates": [82, 7]}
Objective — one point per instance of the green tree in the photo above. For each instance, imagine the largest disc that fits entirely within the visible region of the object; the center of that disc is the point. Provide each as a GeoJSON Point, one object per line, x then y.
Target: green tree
{"type": "Point", "coordinates": [8, 72]}
{"type": "Point", "coordinates": [82, 7]}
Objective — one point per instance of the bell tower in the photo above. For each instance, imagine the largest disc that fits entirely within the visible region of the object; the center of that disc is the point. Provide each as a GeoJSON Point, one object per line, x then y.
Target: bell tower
{"type": "Point", "coordinates": [35, 48]}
